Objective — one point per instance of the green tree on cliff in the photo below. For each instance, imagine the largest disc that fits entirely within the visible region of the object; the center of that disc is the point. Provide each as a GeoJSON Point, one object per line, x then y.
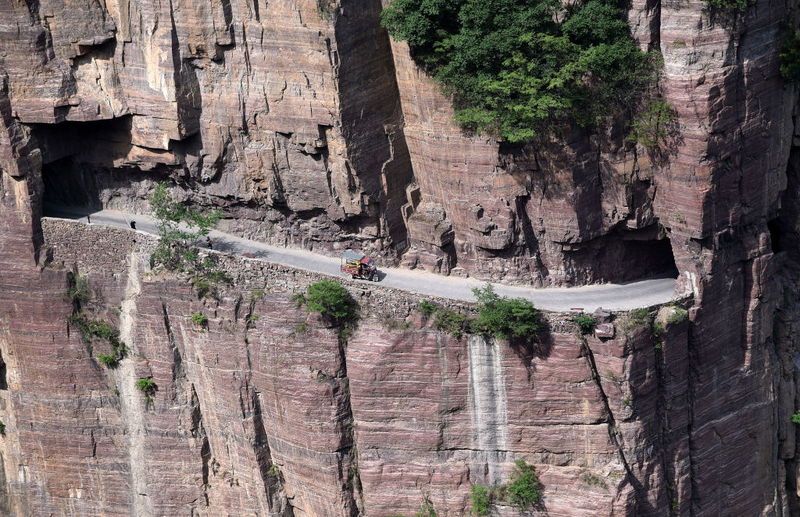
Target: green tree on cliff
{"type": "Point", "coordinates": [178, 227]}
{"type": "Point", "coordinates": [514, 66]}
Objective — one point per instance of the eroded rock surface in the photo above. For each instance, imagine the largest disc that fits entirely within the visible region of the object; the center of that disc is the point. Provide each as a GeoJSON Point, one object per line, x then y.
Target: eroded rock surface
{"type": "Point", "coordinates": [310, 128]}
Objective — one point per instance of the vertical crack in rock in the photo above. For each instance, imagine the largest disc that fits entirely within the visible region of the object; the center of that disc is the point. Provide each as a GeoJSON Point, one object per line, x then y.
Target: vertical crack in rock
{"type": "Point", "coordinates": [348, 450]}
{"type": "Point", "coordinates": [178, 372]}
{"type": "Point", "coordinates": [661, 421]}
{"type": "Point", "coordinates": [130, 398]}
{"type": "Point", "coordinates": [613, 433]}
{"type": "Point", "coordinates": [489, 413]}
{"type": "Point", "coordinates": [198, 432]}
{"type": "Point", "coordinates": [269, 471]}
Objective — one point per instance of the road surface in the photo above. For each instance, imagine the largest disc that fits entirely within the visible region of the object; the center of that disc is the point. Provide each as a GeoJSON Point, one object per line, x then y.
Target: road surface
{"type": "Point", "coordinates": [618, 297]}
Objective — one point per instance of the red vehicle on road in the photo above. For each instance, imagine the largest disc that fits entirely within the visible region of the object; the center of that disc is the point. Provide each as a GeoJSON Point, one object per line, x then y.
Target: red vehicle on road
{"type": "Point", "coordinates": [358, 265]}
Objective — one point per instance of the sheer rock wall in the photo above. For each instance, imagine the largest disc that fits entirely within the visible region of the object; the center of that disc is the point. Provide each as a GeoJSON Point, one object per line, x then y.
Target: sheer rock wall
{"type": "Point", "coordinates": [310, 128]}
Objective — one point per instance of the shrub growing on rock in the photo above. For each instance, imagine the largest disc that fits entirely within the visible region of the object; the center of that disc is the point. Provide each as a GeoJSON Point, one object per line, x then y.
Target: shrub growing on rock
{"type": "Point", "coordinates": [331, 300]}
{"type": "Point", "coordinates": [525, 489]}
{"type": "Point", "coordinates": [585, 322]}
{"type": "Point", "coordinates": [790, 58]}
{"type": "Point", "coordinates": [506, 317]}
{"type": "Point", "coordinates": [480, 500]}
{"type": "Point", "coordinates": [171, 219]}
{"type": "Point", "coordinates": [147, 386]}
{"type": "Point", "coordinates": [199, 319]}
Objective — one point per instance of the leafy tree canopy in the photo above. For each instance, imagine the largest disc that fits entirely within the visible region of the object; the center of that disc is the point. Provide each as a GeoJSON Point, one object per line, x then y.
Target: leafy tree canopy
{"type": "Point", "coordinates": [178, 227]}
{"type": "Point", "coordinates": [512, 66]}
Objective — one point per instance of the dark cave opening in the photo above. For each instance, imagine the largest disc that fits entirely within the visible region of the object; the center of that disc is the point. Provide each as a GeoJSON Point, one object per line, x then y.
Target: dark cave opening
{"type": "Point", "coordinates": [3, 374]}
{"type": "Point", "coordinates": [622, 257]}
{"type": "Point", "coordinates": [774, 227]}
{"type": "Point", "coordinates": [69, 184]}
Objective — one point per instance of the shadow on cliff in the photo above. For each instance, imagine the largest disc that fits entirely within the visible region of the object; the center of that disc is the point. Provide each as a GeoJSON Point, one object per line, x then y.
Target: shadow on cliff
{"type": "Point", "coordinates": [530, 350]}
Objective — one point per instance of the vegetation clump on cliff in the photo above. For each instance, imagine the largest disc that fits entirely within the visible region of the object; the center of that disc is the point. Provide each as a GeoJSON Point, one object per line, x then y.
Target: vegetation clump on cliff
{"type": "Point", "coordinates": [331, 300]}
{"type": "Point", "coordinates": [506, 317]}
{"type": "Point", "coordinates": [790, 58]}
{"type": "Point", "coordinates": [514, 66]}
{"type": "Point", "coordinates": [178, 228]}
{"type": "Point", "coordinates": [525, 489]}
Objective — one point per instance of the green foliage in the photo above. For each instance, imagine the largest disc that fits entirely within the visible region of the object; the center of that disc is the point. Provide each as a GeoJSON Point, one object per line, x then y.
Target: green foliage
{"type": "Point", "coordinates": [593, 480]}
{"type": "Point", "coordinates": [739, 5]}
{"type": "Point", "coordinates": [178, 227]}
{"type": "Point", "coordinates": [426, 508]}
{"type": "Point", "coordinates": [323, 10]}
{"type": "Point", "coordinates": [331, 300]}
{"type": "Point", "coordinates": [790, 58]}
{"type": "Point", "coordinates": [78, 289]}
{"type": "Point", "coordinates": [525, 489]}
{"type": "Point", "coordinates": [658, 330]}
{"type": "Point", "coordinates": [480, 500]}
{"type": "Point", "coordinates": [199, 319]}
{"type": "Point", "coordinates": [206, 282]}
{"type": "Point", "coordinates": [250, 320]}
{"type": "Point", "coordinates": [650, 125]}
{"type": "Point", "coordinates": [450, 321]}
{"type": "Point", "coordinates": [202, 286]}
{"type": "Point", "coordinates": [299, 300]}
{"type": "Point", "coordinates": [109, 360]}
{"type": "Point", "coordinates": [92, 329]}
{"type": "Point", "coordinates": [427, 308]}
{"type": "Point", "coordinates": [678, 315]}
{"type": "Point", "coordinates": [145, 385]}
{"type": "Point", "coordinates": [274, 472]}
{"type": "Point", "coordinates": [506, 317]}
{"type": "Point", "coordinates": [796, 418]}
{"type": "Point", "coordinates": [514, 66]}
{"type": "Point", "coordinates": [640, 318]}
{"type": "Point", "coordinates": [585, 322]}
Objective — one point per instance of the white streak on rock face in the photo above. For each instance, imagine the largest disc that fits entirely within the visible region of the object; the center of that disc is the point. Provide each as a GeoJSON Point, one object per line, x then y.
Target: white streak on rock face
{"type": "Point", "coordinates": [489, 415]}
{"type": "Point", "coordinates": [131, 400]}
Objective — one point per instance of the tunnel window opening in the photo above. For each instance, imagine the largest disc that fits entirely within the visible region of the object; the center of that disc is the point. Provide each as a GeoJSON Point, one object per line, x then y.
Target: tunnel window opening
{"type": "Point", "coordinates": [3, 374]}
{"type": "Point", "coordinates": [775, 235]}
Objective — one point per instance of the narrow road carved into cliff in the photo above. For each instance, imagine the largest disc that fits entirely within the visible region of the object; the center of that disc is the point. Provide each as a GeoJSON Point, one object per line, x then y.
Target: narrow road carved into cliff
{"type": "Point", "coordinates": [619, 297]}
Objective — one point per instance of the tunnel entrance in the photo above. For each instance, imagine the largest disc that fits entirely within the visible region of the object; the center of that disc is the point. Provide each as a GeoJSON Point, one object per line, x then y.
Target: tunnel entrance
{"type": "Point", "coordinates": [70, 184]}
{"type": "Point", "coordinates": [623, 256]}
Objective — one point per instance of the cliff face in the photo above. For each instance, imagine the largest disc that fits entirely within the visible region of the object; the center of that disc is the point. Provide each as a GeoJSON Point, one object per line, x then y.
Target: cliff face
{"type": "Point", "coordinates": [265, 409]}
{"type": "Point", "coordinates": [309, 127]}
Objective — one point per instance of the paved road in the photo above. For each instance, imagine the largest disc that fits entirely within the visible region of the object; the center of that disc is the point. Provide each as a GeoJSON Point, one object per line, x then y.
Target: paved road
{"type": "Point", "coordinates": [626, 296]}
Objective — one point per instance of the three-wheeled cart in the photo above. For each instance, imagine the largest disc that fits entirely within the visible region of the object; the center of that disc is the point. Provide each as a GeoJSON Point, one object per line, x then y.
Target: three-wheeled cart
{"type": "Point", "coordinates": [358, 266]}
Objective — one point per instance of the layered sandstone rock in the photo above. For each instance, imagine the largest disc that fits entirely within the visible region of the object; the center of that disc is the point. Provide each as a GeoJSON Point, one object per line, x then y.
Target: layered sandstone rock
{"type": "Point", "coordinates": [310, 128]}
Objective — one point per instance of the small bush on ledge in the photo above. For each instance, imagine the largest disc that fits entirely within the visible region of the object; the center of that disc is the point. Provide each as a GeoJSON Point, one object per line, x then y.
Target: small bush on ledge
{"type": "Point", "coordinates": [506, 317]}
{"type": "Point", "coordinates": [331, 300]}
{"type": "Point", "coordinates": [525, 489]}
{"type": "Point", "coordinates": [585, 322]}
{"type": "Point", "coordinates": [199, 319]}
{"type": "Point", "coordinates": [146, 386]}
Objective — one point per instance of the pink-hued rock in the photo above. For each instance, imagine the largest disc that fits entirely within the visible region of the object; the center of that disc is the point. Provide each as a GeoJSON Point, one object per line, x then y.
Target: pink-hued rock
{"type": "Point", "coordinates": [310, 128]}
{"type": "Point", "coordinates": [604, 331]}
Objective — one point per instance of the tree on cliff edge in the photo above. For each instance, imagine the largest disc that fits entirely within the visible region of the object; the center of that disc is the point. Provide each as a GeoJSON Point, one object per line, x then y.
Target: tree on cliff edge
{"type": "Point", "coordinates": [178, 227]}
{"type": "Point", "coordinates": [513, 67]}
